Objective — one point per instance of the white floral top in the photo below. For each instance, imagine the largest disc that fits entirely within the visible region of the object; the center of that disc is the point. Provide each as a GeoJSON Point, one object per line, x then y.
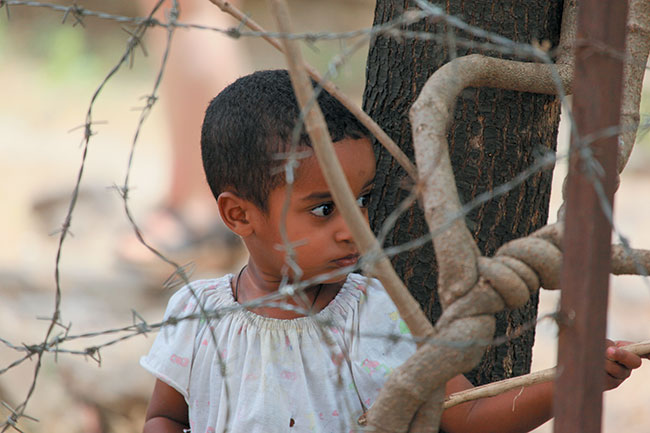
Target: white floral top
{"type": "Point", "coordinates": [243, 372]}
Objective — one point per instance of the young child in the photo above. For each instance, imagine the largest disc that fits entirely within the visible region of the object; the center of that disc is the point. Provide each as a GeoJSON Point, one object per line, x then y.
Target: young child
{"type": "Point", "coordinates": [316, 360]}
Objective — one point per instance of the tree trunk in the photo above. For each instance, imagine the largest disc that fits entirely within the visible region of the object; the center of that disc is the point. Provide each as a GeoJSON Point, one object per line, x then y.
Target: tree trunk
{"type": "Point", "coordinates": [495, 135]}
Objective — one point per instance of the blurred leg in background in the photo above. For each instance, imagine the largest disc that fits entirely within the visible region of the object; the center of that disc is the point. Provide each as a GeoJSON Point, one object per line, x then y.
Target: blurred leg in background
{"type": "Point", "coordinates": [200, 65]}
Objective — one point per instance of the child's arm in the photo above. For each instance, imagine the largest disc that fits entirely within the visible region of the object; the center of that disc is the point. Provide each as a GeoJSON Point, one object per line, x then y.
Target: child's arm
{"type": "Point", "coordinates": [522, 411]}
{"type": "Point", "coordinates": [167, 411]}
{"type": "Point", "coordinates": [513, 411]}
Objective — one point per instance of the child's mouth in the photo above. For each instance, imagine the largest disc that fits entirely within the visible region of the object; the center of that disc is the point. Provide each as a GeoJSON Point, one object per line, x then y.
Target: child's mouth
{"type": "Point", "coordinates": [350, 260]}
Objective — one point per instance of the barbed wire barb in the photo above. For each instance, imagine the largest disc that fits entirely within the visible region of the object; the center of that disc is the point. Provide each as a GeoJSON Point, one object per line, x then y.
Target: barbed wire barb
{"type": "Point", "coordinates": [138, 42]}
{"type": "Point", "coordinates": [77, 13]}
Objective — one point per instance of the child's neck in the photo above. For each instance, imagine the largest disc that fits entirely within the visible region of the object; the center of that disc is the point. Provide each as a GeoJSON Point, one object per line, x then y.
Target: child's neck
{"type": "Point", "coordinates": [251, 284]}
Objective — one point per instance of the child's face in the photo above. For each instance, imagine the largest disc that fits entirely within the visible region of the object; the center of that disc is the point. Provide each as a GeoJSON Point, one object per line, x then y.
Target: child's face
{"type": "Point", "coordinates": [322, 241]}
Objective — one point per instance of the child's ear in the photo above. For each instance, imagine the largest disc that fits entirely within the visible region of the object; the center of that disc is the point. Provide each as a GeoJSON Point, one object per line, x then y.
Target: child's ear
{"type": "Point", "coordinates": [235, 213]}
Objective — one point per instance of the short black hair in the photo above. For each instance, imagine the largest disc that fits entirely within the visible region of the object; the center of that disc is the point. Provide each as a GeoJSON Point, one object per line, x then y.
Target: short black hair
{"type": "Point", "coordinates": [250, 122]}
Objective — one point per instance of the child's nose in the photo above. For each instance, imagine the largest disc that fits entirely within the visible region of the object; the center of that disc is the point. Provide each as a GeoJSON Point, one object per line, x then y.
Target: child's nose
{"type": "Point", "coordinates": [342, 233]}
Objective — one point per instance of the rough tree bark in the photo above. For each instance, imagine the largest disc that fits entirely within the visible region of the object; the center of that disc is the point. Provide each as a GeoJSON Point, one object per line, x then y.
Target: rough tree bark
{"type": "Point", "coordinates": [496, 134]}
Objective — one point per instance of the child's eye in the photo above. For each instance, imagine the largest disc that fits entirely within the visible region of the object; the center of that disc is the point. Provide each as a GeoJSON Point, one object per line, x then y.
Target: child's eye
{"type": "Point", "coordinates": [323, 210]}
{"type": "Point", "coordinates": [364, 200]}
{"type": "Point", "coordinates": [326, 209]}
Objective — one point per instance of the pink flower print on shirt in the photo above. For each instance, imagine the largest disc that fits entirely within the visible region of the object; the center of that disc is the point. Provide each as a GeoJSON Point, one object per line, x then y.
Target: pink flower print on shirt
{"type": "Point", "coordinates": [335, 413]}
{"type": "Point", "coordinates": [287, 342]}
{"type": "Point", "coordinates": [370, 366]}
{"type": "Point", "coordinates": [204, 342]}
{"type": "Point", "coordinates": [361, 288]}
{"type": "Point", "coordinates": [210, 430]}
{"type": "Point", "coordinates": [289, 375]}
{"type": "Point", "coordinates": [179, 360]}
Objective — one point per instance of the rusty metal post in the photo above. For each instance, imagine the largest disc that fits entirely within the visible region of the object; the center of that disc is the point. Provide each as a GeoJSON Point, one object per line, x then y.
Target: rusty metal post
{"type": "Point", "coordinates": [585, 275]}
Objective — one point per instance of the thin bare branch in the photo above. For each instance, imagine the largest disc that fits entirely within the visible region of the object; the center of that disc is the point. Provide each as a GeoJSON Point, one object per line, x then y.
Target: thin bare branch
{"type": "Point", "coordinates": [502, 386]}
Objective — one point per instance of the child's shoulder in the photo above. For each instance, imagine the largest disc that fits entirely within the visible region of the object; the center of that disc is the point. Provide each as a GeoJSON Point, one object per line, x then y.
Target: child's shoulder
{"type": "Point", "coordinates": [372, 293]}
{"type": "Point", "coordinates": [364, 283]}
{"type": "Point", "coordinates": [378, 316]}
{"type": "Point", "coordinates": [209, 293]}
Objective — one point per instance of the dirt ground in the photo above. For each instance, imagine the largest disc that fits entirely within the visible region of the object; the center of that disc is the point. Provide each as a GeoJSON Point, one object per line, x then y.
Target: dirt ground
{"type": "Point", "coordinates": [44, 97]}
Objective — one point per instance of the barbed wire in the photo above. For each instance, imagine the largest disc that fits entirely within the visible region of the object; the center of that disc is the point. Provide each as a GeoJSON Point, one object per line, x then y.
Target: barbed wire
{"type": "Point", "coordinates": [493, 41]}
{"type": "Point", "coordinates": [54, 344]}
{"type": "Point", "coordinates": [134, 40]}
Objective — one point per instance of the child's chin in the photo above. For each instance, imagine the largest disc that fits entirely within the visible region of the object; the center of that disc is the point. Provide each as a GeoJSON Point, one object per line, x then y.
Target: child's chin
{"type": "Point", "coordinates": [337, 279]}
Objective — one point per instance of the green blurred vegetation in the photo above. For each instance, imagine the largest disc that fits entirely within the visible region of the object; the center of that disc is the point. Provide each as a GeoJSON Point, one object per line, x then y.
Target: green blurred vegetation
{"type": "Point", "coordinates": [63, 52]}
{"type": "Point", "coordinates": [67, 52]}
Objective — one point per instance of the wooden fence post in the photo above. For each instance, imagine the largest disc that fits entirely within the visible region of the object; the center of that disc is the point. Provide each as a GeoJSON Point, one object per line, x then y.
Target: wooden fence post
{"type": "Point", "coordinates": [599, 57]}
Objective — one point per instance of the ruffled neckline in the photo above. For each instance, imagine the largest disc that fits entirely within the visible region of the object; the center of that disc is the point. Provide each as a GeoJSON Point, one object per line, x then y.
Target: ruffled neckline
{"type": "Point", "coordinates": [347, 295]}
